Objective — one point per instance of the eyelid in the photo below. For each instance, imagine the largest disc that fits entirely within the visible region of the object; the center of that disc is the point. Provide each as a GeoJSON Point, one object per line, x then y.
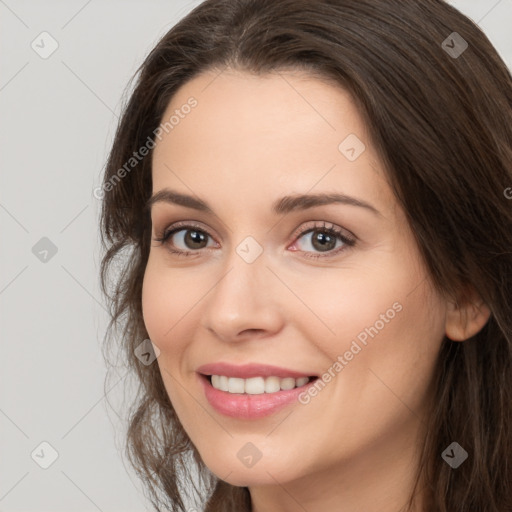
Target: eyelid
{"type": "Point", "coordinates": [179, 225]}
{"type": "Point", "coordinates": [324, 225]}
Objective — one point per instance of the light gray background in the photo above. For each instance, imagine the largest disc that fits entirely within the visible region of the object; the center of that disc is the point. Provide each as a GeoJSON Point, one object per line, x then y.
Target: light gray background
{"type": "Point", "coordinates": [58, 119]}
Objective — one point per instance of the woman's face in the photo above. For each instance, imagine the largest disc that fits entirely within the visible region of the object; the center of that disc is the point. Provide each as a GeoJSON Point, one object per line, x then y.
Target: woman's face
{"type": "Point", "coordinates": [267, 282]}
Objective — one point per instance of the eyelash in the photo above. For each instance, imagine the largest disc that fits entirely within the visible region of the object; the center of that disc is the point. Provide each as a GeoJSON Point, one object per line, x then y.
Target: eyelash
{"type": "Point", "coordinates": [180, 226]}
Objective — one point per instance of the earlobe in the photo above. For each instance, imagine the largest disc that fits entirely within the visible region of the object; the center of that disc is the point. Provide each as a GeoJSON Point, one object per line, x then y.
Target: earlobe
{"type": "Point", "coordinates": [465, 320]}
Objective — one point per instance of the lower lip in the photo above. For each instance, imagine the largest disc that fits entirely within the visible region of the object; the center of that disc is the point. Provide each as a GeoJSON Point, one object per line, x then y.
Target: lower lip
{"type": "Point", "coordinates": [238, 405]}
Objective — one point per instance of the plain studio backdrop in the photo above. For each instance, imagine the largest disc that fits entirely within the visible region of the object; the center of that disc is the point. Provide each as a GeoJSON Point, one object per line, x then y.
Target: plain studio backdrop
{"type": "Point", "coordinates": [64, 68]}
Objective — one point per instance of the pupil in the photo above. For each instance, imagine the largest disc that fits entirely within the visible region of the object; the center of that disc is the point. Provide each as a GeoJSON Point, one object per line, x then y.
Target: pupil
{"type": "Point", "coordinates": [195, 237]}
{"type": "Point", "coordinates": [322, 238]}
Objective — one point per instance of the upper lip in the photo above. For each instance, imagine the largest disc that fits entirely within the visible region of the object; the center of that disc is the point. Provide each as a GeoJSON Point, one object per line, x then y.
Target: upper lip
{"type": "Point", "coordinates": [247, 371]}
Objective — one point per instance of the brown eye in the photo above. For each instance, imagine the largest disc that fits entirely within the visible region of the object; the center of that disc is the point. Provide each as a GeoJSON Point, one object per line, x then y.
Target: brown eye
{"type": "Point", "coordinates": [322, 239]}
{"type": "Point", "coordinates": [194, 239]}
{"type": "Point", "coordinates": [186, 238]}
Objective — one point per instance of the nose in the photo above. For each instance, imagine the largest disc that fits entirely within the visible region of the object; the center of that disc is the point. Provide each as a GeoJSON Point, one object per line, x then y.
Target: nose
{"type": "Point", "coordinates": [244, 302]}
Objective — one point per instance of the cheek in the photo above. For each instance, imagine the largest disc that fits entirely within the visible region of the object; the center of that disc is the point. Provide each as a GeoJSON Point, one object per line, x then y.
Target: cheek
{"type": "Point", "coordinates": [350, 308]}
{"type": "Point", "coordinates": [164, 303]}
{"type": "Point", "coordinates": [167, 298]}
{"type": "Point", "coordinates": [383, 325]}
{"type": "Point", "coordinates": [154, 304]}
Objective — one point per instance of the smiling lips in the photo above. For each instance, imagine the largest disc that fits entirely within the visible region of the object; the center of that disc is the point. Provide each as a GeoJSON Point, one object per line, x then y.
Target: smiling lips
{"type": "Point", "coordinates": [253, 390]}
{"type": "Point", "coordinates": [247, 371]}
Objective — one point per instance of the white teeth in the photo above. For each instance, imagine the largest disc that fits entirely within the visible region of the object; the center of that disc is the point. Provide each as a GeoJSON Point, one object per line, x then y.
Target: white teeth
{"type": "Point", "coordinates": [272, 384]}
{"type": "Point", "coordinates": [256, 385]}
{"type": "Point", "coordinates": [288, 383]}
{"type": "Point", "coordinates": [220, 382]}
{"type": "Point", "coordinates": [223, 383]}
{"type": "Point", "coordinates": [236, 385]}
{"type": "Point", "coordinates": [302, 381]}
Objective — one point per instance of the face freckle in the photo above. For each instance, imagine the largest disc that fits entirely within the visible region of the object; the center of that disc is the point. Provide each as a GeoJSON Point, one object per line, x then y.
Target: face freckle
{"type": "Point", "coordinates": [367, 316]}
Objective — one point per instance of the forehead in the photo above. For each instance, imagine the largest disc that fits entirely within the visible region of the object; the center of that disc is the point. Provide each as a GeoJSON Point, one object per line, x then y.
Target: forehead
{"type": "Point", "coordinates": [288, 105]}
{"type": "Point", "coordinates": [284, 131]}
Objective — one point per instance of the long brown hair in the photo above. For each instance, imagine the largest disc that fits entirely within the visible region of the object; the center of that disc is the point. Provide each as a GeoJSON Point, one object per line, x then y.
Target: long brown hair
{"type": "Point", "coordinates": [440, 116]}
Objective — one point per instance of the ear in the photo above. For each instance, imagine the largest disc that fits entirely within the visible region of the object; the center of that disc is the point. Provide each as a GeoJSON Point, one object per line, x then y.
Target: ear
{"type": "Point", "coordinates": [465, 319]}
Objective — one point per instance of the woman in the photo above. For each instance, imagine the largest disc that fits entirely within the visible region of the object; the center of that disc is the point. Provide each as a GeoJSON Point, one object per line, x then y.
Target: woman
{"type": "Point", "coordinates": [314, 199]}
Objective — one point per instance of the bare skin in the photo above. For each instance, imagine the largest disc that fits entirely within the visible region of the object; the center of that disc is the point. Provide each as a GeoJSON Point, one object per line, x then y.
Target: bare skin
{"type": "Point", "coordinates": [250, 141]}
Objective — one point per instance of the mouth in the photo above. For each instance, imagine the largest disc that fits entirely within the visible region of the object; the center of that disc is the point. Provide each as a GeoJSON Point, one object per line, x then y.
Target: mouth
{"type": "Point", "coordinates": [255, 397]}
{"type": "Point", "coordinates": [258, 385]}
{"type": "Point", "coordinates": [252, 390]}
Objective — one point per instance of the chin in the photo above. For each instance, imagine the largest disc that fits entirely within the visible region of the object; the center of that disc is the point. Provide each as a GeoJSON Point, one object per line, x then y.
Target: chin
{"type": "Point", "coordinates": [259, 474]}
{"type": "Point", "coordinates": [247, 478]}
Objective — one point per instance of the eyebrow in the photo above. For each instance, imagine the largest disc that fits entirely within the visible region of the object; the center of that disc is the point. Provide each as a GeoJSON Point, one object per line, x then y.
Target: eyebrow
{"type": "Point", "coordinates": [281, 206]}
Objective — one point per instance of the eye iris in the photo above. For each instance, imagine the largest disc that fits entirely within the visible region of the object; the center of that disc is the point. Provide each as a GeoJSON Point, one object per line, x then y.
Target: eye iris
{"type": "Point", "coordinates": [321, 237]}
{"type": "Point", "coordinates": [193, 237]}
